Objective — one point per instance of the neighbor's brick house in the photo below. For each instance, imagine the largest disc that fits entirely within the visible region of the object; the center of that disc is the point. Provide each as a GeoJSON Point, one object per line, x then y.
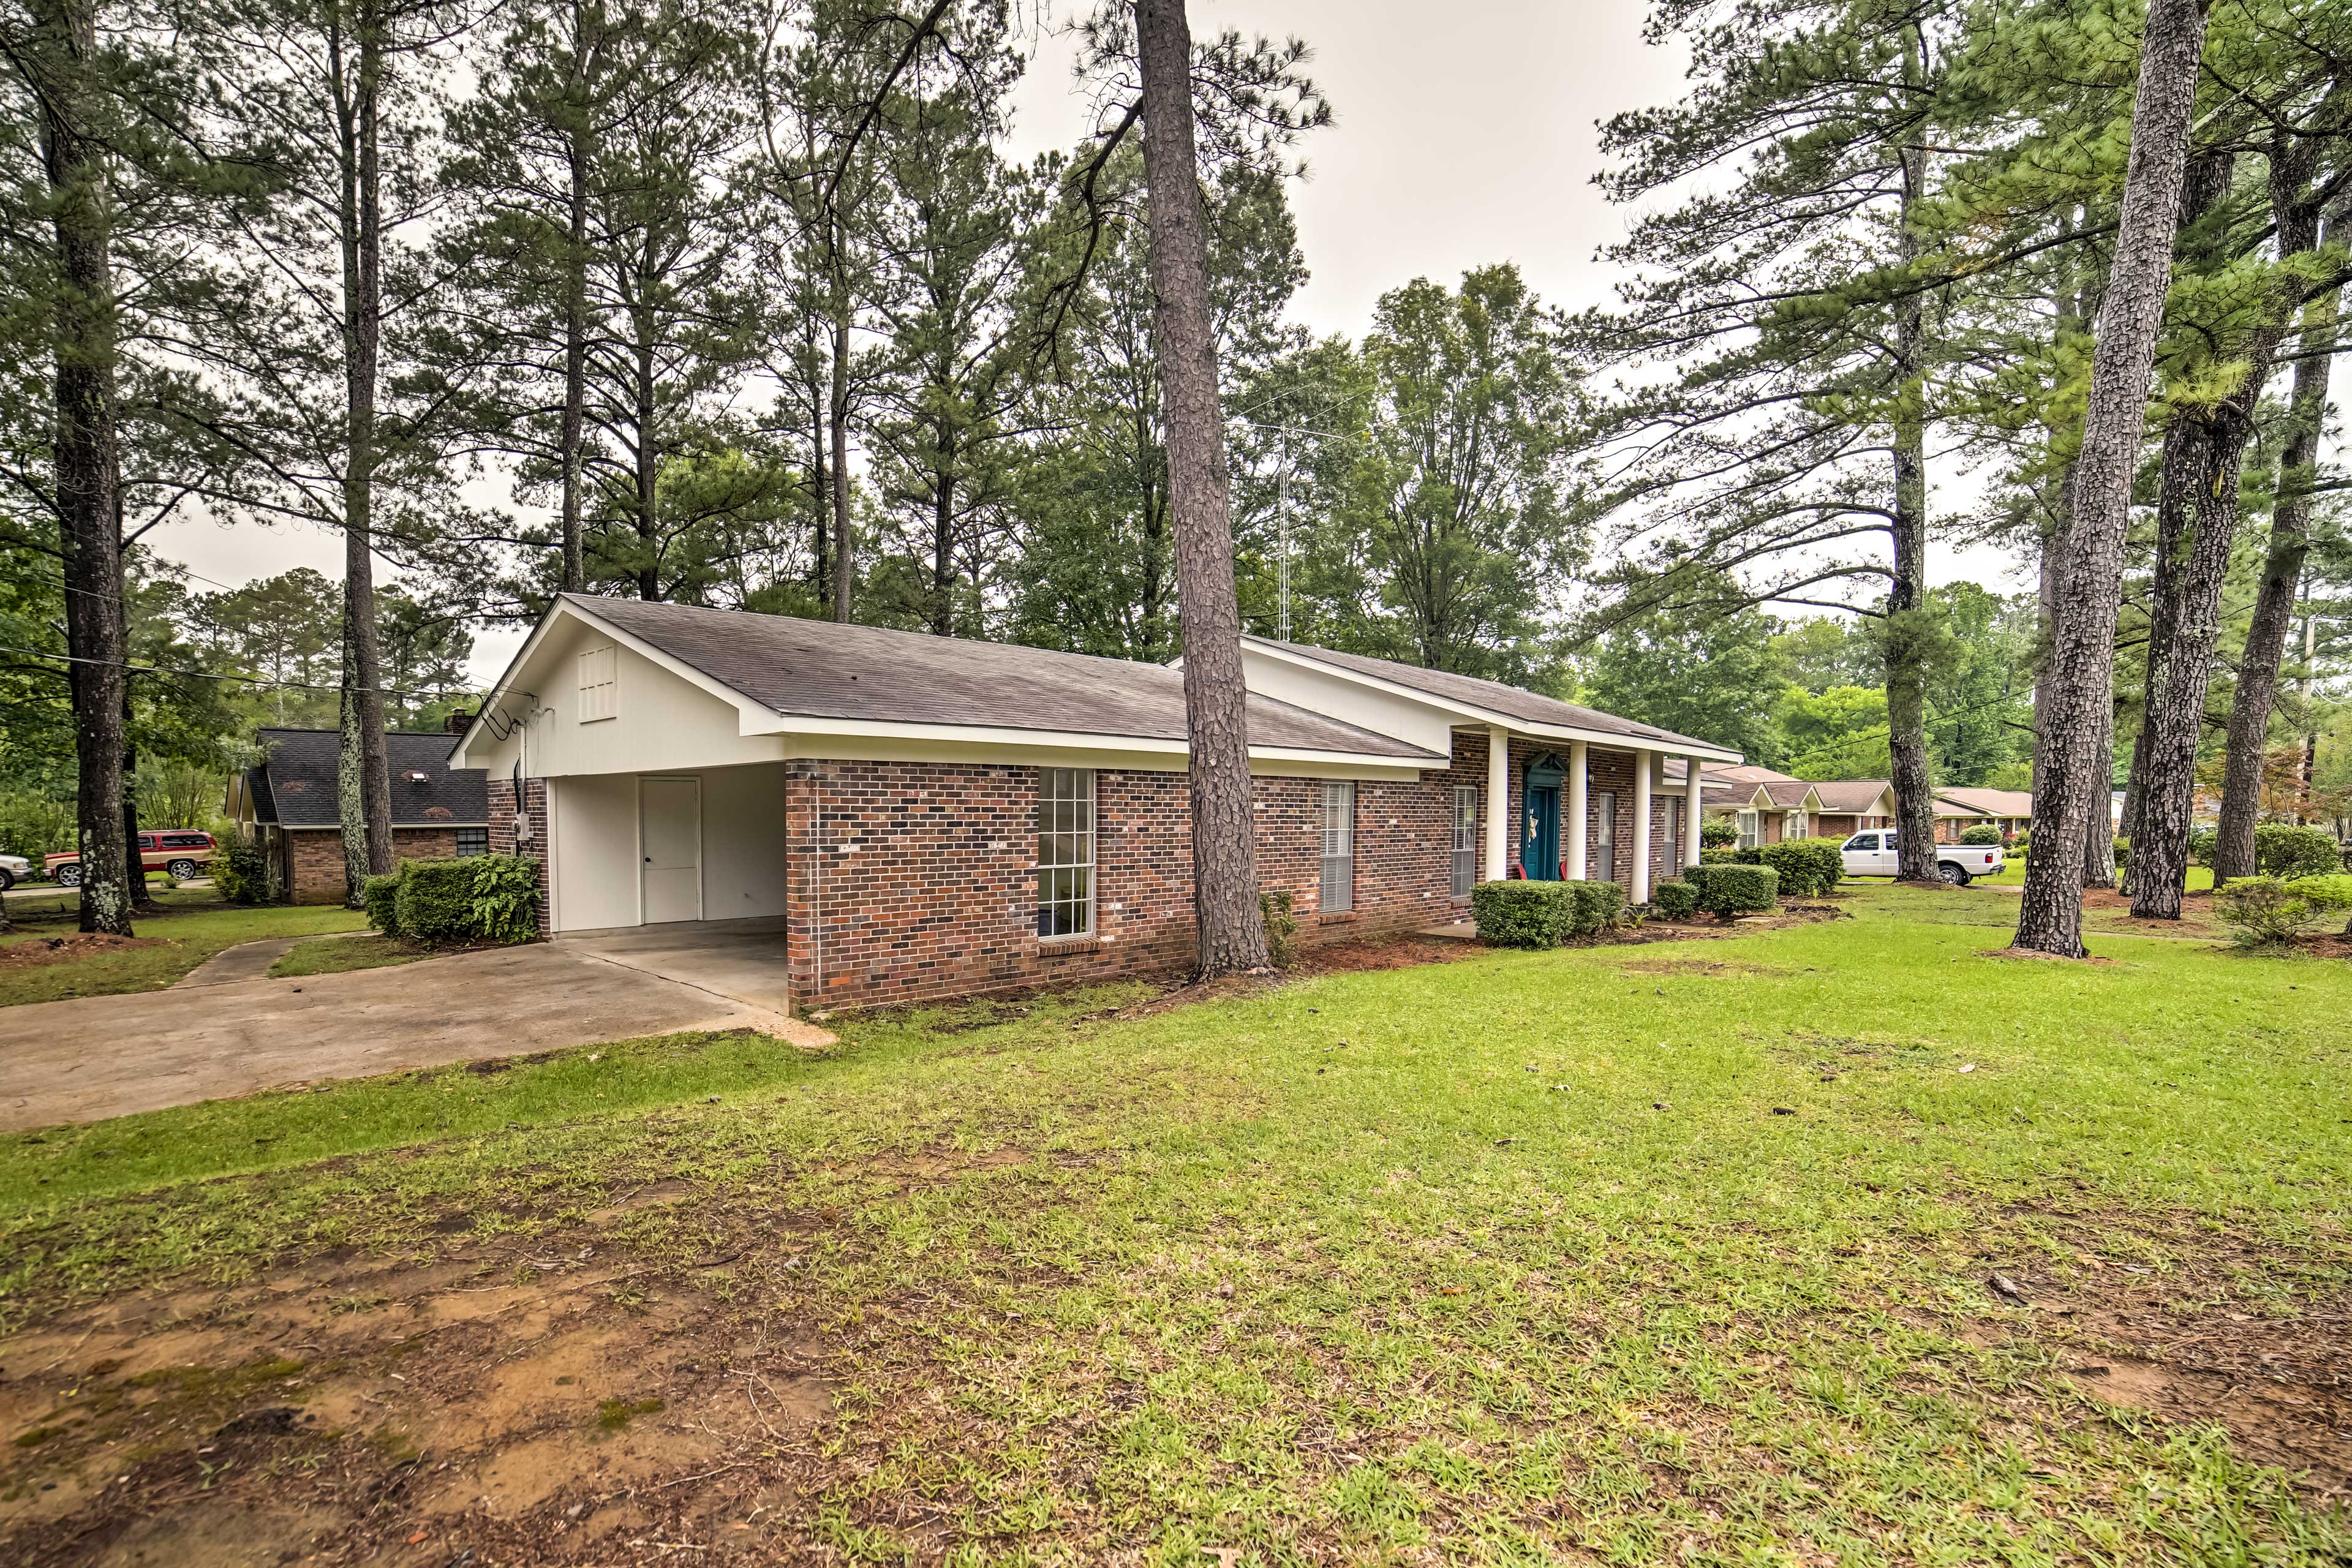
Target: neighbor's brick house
{"type": "Point", "coordinates": [288, 805]}
{"type": "Point", "coordinates": [921, 818]}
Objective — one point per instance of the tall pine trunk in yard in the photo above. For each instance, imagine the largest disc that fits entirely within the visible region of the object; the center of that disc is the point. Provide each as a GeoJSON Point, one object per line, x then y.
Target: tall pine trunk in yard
{"type": "Point", "coordinates": [572, 432]}
{"type": "Point", "coordinates": [2131, 315]}
{"type": "Point", "coordinates": [64, 54]}
{"type": "Point", "coordinates": [2177, 719]}
{"type": "Point", "coordinates": [1906, 637]}
{"type": "Point", "coordinates": [2266, 634]}
{"type": "Point", "coordinates": [1231, 930]}
{"type": "Point", "coordinates": [363, 774]}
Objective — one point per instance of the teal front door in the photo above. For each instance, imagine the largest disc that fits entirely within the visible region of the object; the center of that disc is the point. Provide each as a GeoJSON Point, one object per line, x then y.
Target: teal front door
{"type": "Point", "coordinates": [1541, 853]}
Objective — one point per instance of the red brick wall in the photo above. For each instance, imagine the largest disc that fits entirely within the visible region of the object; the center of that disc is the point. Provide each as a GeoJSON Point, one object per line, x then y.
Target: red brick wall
{"type": "Point", "coordinates": [313, 862]}
{"type": "Point", "coordinates": [504, 840]}
{"type": "Point", "coordinates": [909, 880]}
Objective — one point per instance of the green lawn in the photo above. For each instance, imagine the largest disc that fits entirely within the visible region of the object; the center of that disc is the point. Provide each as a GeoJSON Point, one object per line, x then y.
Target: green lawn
{"type": "Point", "coordinates": [1665, 1254]}
{"type": "Point", "coordinates": [2012, 875]}
{"type": "Point", "coordinates": [341, 954]}
{"type": "Point", "coordinates": [194, 924]}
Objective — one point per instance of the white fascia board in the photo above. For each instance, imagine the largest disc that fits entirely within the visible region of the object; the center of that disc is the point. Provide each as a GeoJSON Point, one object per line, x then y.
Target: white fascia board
{"type": "Point", "coordinates": [1470, 713]}
{"type": "Point", "coordinates": [752, 717]}
{"type": "Point", "coordinates": [959, 736]}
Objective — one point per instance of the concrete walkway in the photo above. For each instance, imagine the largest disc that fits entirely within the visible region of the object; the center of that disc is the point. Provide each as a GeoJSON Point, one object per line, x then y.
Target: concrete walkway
{"type": "Point", "coordinates": [96, 1057]}
{"type": "Point", "coordinates": [249, 960]}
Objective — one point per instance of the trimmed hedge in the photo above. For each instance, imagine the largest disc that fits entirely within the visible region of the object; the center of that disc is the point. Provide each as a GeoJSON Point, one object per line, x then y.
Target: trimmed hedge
{"type": "Point", "coordinates": [435, 900]}
{"type": "Point", "coordinates": [241, 872]}
{"type": "Point", "coordinates": [2261, 911]}
{"type": "Point", "coordinates": [2283, 849]}
{"type": "Point", "coordinates": [1728, 890]}
{"type": "Point", "coordinates": [1528, 913]}
{"type": "Point", "coordinates": [1676, 901]}
{"type": "Point", "coordinates": [1982, 833]}
{"type": "Point", "coordinates": [1717, 833]}
{"type": "Point", "coordinates": [1807, 867]}
{"type": "Point", "coordinates": [380, 896]}
{"type": "Point", "coordinates": [483, 898]}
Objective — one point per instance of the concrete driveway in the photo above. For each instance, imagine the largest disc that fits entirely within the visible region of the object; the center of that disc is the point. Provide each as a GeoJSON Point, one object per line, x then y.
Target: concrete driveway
{"type": "Point", "coordinates": [96, 1057]}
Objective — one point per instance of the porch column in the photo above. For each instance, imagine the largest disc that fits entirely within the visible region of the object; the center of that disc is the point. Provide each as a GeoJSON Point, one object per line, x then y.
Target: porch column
{"type": "Point", "coordinates": [1694, 808]}
{"type": "Point", "coordinates": [1575, 856]}
{"type": "Point", "coordinates": [1644, 762]}
{"type": "Point", "coordinates": [1498, 803]}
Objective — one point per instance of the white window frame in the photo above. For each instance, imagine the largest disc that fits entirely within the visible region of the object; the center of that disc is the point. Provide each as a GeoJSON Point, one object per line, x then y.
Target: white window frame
{"type": "Point", "coordinates": [1466, 839]}
{"type": "Point", "coordinates": [1751, 828]}
{"type": "Point", "coordinates": [1338, 893]}
{"type": "Point", "coordinates": [1066, 854]}
{"type": "Point", "coordinates": [600, 684]}
{"type": "Point", "coordinates": [1792, 824]}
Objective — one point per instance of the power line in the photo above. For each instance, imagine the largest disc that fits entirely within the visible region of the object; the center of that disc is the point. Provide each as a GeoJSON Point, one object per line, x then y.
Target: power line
{"type": "Point", "coordinates": [246, 680]}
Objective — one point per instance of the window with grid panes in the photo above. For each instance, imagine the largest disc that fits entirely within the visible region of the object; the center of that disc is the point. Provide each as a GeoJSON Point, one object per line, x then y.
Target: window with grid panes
{"type": "Point", "coordinates": [1466, 838]}
{"type": "Point", "coordinates": [1066, 851]}
{"type": "Point", "coordinates": [1338, 847]}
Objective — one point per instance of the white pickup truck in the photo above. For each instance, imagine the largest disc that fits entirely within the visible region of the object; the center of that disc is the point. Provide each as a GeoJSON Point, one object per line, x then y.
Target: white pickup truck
{"type": "Point", "coordinates": [1872, 854]}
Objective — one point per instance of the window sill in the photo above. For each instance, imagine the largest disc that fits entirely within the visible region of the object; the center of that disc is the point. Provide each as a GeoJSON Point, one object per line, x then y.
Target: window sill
{"type": "Point", "coordinates": [1056, 946]}
{"type": "Point", "coordinates": [1343, 916]}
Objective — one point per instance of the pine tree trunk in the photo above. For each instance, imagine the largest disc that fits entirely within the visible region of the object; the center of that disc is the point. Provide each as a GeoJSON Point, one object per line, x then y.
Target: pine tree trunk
{"type": "Point", "coordinates": [944, 533]}
{"type": "Point", "coordinates": [2177, 722]}
{"type": "Point", "coordinates": [88, 479]}
{"type": "Point", "coordinates": [571, 435]}
{"type": "Point", "coordinates": [362, 774]}
{"type": "Point", "coordinates": [648, 467]}
{"type": "Point", "coordinates": [1231, 930]}
{"type": "Point", "coordinates": [2099, 819]}
{"type": "Point", "coordinates": [2266, 634]}
{"type": "Point", "coordinates": [845, 550]}
{"type": "Point", "coordinates": [1906, 677]}
{"type": "Point", "coordinates": [2131, 313]}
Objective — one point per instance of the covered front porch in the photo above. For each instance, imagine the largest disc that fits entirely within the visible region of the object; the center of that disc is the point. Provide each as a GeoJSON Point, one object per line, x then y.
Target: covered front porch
{"type": "Point", "coordinates": [1577, 809]}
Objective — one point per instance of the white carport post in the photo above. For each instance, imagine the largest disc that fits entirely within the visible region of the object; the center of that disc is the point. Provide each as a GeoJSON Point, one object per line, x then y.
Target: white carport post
{"type": "Point", "coordinates": [1694, 809]}
{"type": "Point", "coordinates": [1498, 802]}
{"type": "Point", "coordinates": [1644, 762]}
{"type": "Point", "coordinates": [1577, 866]}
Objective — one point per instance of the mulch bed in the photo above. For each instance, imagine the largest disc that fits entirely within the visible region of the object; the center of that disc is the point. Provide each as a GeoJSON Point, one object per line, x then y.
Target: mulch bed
{"type": "Point", "coordinates": [64, 949]}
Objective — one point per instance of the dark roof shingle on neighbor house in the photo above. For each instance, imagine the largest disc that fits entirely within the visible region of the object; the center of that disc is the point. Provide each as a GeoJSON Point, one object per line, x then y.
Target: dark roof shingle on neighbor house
{"type": "Point", "coordinates": [823, 670]}
{"type": "Point", "coordinates": [295, 784]}
{"type": "Point", "coordinates": [1492, 696]}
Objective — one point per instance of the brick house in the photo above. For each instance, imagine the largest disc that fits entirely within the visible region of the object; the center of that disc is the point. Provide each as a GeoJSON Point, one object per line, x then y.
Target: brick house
{"type": "Point", "coordinates": [921, 816]}
{"type": "Point", "coordinates": [288, 805]}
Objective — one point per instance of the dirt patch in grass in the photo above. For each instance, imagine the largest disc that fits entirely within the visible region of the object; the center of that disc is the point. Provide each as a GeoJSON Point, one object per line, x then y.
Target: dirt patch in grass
{"type": "Point", "coordinates": [43, 950]}
{"type": "Point", "coordinates": [2326, 945]}
{"type": "Point", "coordinates": [2038, 955]}
{"type": "Point", "coordinates": [1706, 966]}
{"type": "Point", "coordinates": [552, 1400]}
{"type": "Point", "coordinates": [2210, 1339]}
{"type": "Point", "coordinates": [1375, 952]}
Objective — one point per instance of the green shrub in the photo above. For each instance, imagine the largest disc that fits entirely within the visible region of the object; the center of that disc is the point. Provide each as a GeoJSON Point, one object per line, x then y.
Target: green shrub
{"type": "Point", "coordinates": [2123, 852]}
{"type": "Point", "coordinates": [2261, 911]}
{"type": "Point", "coordinates": [1717, 833]}
{"type": "Point", "coordinates": [1524, 914]}
{"type": "Point", "coordinates": [504, 906]}
{"type": "Point", "coordinates": [1281, 927]}
{"type": "Point", "coordinates": [2282, 849]}
{"type": "Point", "coordinates": [241, 872]}
{"type": "Point", "coordinates": [2202, 841]}
{"type": "Point", "coordinates": [1721, 855]}
{"type": "Point", "coordinates": [1728, 890]}
{"type": "Point", "coordinates": [380, 896]}
{"type": "Point", "coordinates": [1807, 867]}
{"type": "Point", "coordinates": [1981, 833]}
{"type": "Point", "coordinates": [1599, 906]}
{"type": "Point", "coordinates": [435, 901]}
{"type": "Point", "coordinates": [1676, 901]}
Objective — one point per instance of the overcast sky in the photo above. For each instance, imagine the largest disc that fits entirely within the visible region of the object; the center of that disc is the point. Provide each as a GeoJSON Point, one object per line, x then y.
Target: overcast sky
{"type": "Point", "coordinates": [1464, 134]}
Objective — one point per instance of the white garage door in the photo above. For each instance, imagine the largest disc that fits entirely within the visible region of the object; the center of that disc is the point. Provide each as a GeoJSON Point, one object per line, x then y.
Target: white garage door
{"type": "Point", "coordinates": [669, 836]}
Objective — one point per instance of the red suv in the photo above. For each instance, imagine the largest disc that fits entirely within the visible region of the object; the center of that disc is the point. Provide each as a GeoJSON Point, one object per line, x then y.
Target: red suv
{"type": "Point", "coordinates": [179, 850]}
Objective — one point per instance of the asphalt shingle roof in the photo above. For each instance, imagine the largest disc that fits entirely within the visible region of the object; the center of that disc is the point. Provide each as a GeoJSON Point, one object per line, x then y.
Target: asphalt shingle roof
{"type": "Point", "coordinates": [295, 784]}
{"type": "Point", "coordinates": [1491, 695]}
{"type": "Point", "coordinates": [822, 670]}
{"type": "Point", "coordinates": [1992, 801]}
{"type": "Point", "coordinates": [1849, 795]}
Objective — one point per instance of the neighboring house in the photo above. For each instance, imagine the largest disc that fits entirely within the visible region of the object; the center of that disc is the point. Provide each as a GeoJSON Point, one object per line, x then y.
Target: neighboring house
{"type": "Point", "coordinates": [1765, 807]}
{"type": "Point", "coordinates": [1958, 810]}
{"type": "Point", "coordinates": [927, 816]}
{"type": "Point", "coordinates": [288, 805]}
{"type": "Point", "coordinates": [1852, 805]}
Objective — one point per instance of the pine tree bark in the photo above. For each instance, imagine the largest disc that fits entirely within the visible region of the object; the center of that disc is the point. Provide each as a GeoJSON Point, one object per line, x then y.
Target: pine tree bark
{"type": "Point", "coordinates": [65, 51]}
{"type": "Point", "coordinates": [2099, 818]}
{"type": "Point", "coordinates": [647, 392]}
{"type": "Point", "coordinates": [363, 780]}
{"type": "Point", "coordinates": [2178, 721]}
{"type": "Point", "coordinates": [2273, 617]}
{"type": "Point", "coordinates": [571, 433]}
{"type": "Point", "coordinates": [1906, 675]}
{"type": "Point", "coordinates": [943, 484]}
{"type": "Point", "coordinates": [2131, 313]}
{"type": "Point", "coordinates": [845, 550]}
{"type": "Point", "coordinates": [1232, 929]}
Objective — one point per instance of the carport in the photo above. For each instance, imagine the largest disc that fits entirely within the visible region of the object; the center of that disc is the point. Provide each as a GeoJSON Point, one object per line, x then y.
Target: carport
{"type": "Point", "coordinates": [693, 847]}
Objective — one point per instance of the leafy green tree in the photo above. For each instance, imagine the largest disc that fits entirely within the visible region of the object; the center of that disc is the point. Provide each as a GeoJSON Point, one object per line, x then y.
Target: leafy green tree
{"type": "Point", "coordinates": [1688, 667]}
